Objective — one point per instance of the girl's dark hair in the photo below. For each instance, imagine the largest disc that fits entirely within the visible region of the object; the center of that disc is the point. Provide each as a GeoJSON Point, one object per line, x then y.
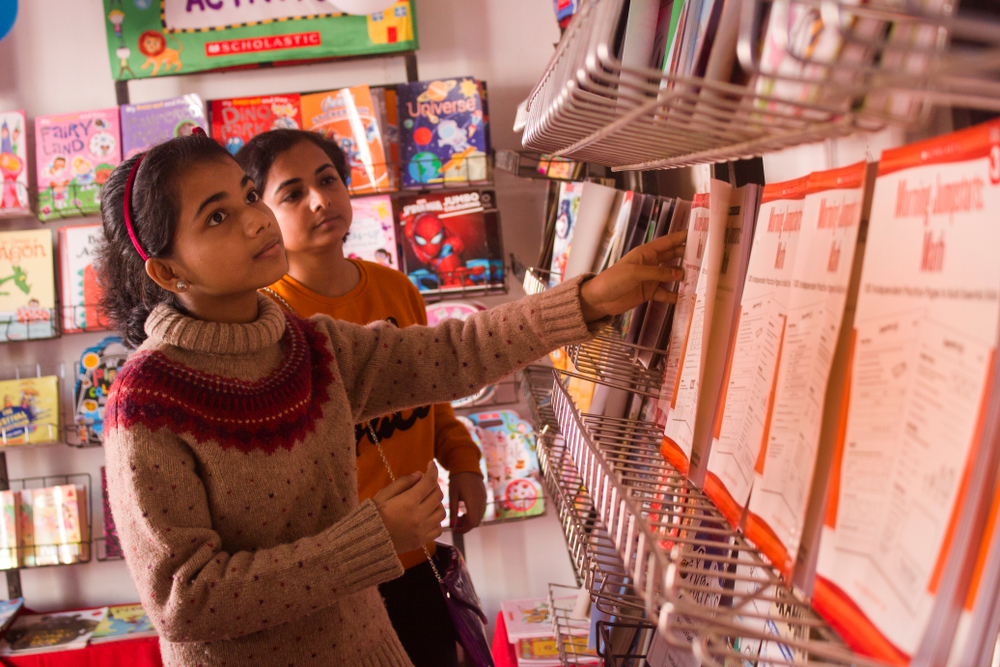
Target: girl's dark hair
{"type": "Point", "coordinates": [128, 294]}
{"type": "Point", "coordinates": [257, 156]}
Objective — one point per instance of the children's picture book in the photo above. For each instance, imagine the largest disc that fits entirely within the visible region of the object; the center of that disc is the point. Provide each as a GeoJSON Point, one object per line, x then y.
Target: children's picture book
{"type": "Point", "coordinates": [569, 206]}
{"type": "Point", "coordinates": [98, 367]}
{"type": "Point", "coordinates": [112, 547]}
{"type": "Point", "coordinates": [74, 156]}
{"type": "Point", "coordinates": [27, 285]}
{"type": "Point", "coordinates": [236, 121]}
{"type": "Point", "coordinates": [13, 164]}
{"type": "Point", "coordinates": [373, 231]}
{"type": "Point", "coordinates": [25, 529]}
{"type": "Point", "coordinates": [79, 291]}
{"type": "Point", "coordinates": [8, 612]}
{"type": "Point", "coordinates": [353, 119]}
{"type": "Point", "coordinates": [59, 514]}
{"type": "Point", "coordinates": [8, 530]}
{"type": "Point", "coordinates": [151, 123]}
{"type": "Point", "coordinates": [509, 450]}
{"type": "Point", "coordinates": [29, 412]}
{"type": "Point", "coordinates": [526, 619]}
{"type": "Point", "coordinates": [124, 621]}
{"type": "Point", "coordinates": [57, 631]}
{"type": "Point", "coordinates": [451, 240]}
{"type": "Point", "coordinates": [443, 137]}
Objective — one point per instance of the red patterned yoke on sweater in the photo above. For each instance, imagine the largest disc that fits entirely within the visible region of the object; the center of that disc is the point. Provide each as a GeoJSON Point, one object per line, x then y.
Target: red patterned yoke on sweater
{"type": "Point", "coordinates": [232, 480]}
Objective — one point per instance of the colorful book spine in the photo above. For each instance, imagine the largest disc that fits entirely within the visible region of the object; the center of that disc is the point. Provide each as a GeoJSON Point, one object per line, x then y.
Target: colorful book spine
{"type": "Point", "coordinates": [569, 205]}
{"type": "Point", "coordinates": [350, 117]}
{"type": "Point", "coordinates": [29, 412]}
{"type": "Point", "coordinates": [443, 137]}
{"type": "Point", "coordinates": [74, 156]}
{"type": "Point", "coordinates": [237, 121]}
{"type": "Point", "coordinates": [8, 529]}
{"type": "Point", "coordinates": [13, 164]}
{"type": "Point", "coordinates": [78, 283]}
{"type": "Point", "coordinates": [152, 123]}
{"type": "Point", "coordinates": [27, 285]}
{"type": "Point", "coordinates": [26, 528]}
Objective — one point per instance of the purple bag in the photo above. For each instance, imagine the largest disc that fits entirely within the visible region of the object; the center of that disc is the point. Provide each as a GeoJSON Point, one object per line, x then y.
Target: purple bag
{"type": "Point", "coordinates": [464, 607]}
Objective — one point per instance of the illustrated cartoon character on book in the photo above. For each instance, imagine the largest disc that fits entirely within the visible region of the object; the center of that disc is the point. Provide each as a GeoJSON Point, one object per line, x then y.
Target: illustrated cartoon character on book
{"type": "Point", "coordinates": [438, 248]}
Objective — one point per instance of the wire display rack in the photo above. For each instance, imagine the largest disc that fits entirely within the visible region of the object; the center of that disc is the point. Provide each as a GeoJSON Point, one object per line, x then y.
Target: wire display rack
{"type": "Point", "coordinates": [712, 592]}
{"type": "Point", "coordinates": [614, 363]}
{"type": "Point", "coordinates": [588, 106]}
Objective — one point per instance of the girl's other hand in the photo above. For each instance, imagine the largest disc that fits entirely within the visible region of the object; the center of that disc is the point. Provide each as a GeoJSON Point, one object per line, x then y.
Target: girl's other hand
{"type": "Point", "coordinates": [637, 278]}
{"type": "Point", "coordinates": [411, 509]}
{"type": "Point", "coordinates": [467, 488]}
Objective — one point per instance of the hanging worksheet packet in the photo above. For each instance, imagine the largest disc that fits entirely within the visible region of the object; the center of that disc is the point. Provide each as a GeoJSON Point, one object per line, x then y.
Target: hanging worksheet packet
{"type": "Point", "coordinates": [748, 387]}
{"type": "Point", "coordinates": [920, 371]}
{"type": "Point", "coordinates": [816, 299]}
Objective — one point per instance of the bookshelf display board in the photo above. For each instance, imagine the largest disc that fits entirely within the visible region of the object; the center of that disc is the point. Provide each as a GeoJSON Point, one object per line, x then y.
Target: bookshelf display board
{"type": "Point", "coordinates": [590, 106]}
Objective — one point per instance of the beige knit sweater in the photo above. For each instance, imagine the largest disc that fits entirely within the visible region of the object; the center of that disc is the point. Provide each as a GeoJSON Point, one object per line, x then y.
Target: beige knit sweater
{"type": "Point", "coordinates": [231, 470]}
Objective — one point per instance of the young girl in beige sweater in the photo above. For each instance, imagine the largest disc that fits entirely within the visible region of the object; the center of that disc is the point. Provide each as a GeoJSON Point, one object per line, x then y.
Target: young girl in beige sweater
{"type": "Point", "coordinates": [230, 433]}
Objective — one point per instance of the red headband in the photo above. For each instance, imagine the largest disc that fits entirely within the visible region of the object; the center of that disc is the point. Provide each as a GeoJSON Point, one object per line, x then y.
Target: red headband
{"type": "Point", "coordinates": [128, 216]}
{"type": "Point", "coordinates": [198, 130]}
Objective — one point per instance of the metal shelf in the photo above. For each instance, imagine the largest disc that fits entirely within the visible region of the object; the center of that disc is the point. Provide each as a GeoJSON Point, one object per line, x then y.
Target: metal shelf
{"type": "Point", "coordinates": [712, 592]}
{"type": "Point", "coordinates": [589, 107]}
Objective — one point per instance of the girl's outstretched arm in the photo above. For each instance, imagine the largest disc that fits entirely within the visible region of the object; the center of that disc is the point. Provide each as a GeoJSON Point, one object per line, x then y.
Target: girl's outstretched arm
{"type": "Point", "coordinates": [385, 369]}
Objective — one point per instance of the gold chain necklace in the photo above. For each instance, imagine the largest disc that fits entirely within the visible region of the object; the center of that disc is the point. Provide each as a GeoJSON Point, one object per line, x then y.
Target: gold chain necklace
{"type": "Point", "coordinates": [280, 299]}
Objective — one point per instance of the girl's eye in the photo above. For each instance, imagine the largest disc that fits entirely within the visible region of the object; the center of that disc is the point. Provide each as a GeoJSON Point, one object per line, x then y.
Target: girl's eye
{"type": "Point", "coordinates": [216, 218]}
{"type": "Point", "coordinates": [291, 196]}
{"type": "Point", "coordinates": [329, 180]}
{"type": "Point", "coordinates": [253, 197]}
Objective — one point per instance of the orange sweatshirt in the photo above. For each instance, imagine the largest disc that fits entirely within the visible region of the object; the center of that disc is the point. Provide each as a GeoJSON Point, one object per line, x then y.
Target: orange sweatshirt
{"type": "Point", "coordinates": [410, 438]}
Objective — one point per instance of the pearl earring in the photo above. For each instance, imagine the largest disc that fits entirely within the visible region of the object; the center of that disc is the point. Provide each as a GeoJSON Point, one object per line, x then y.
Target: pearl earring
{"type": "Point", "coordinates": [181, 286]}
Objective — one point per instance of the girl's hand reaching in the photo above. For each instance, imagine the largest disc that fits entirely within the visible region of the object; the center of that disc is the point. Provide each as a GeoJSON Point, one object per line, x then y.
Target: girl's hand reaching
{"type": "Point", "coordinates": [411, 509]}
{"type": "Point", "coordinates": [635, 279]}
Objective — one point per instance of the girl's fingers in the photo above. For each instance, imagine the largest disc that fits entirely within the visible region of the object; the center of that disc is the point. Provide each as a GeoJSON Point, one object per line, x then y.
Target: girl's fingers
{"type": "Point", "coordinates": [664, 296]}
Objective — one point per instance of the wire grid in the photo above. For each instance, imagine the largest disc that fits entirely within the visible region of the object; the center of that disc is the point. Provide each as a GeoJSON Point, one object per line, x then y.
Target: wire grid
{"type": "Point", "coordinates": [536, 388]}
{"type": "Point", "coordinates": [621, 658]}
{"type": "Point", "coordinates": [63, 553]}
{"type": "Point", "coordinates": [613, 362]}
{"type": "Point", "coordinates": [587, 106]}
{"type": "Point", "coordinates": [536, 281]}
{"type": "Point", "coordinates": [566, 628]}
{"type": "Point", "coordinates": [701, 577]}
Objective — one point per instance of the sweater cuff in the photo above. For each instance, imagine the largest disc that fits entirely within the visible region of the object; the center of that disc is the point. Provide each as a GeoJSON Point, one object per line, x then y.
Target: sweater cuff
{"type": "Point", "coordinates": [365, 555]}
{"type": "Point", "coordinates": [559, 315]}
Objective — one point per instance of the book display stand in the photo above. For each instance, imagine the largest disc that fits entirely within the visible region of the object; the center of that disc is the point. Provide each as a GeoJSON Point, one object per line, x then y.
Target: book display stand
{"type": "Point", "coordinates": [588, 106]}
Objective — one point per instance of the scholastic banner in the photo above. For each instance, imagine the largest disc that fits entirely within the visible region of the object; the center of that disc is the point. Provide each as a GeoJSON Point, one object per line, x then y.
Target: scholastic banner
{"type": "Point", "coordinates": [148, 38]}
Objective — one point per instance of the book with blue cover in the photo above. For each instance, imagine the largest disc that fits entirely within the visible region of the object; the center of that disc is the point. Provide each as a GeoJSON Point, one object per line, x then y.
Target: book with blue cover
{"type": "Point", "coordinates": [443, 135]}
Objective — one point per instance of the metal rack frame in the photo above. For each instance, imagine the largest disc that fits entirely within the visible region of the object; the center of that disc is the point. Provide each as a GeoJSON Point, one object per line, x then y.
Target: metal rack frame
{"type": "Point", "coordinates": [588, 106]}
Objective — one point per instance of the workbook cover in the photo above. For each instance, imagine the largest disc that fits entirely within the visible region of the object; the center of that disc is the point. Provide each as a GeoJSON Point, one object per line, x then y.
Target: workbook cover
{"type": "Point", "coordinates": [151, 123]}
{"type": "Point", "coordinates": [443, 137]}
{"type": "Point", "coordinates": [27, 285]}
{"type": "Point", "coordinates": [78, 288]}
{"type": "Point", "coordinates": [451, 241]}
{"type": "Point", "coordinates": [13, 164]}
{"type": "Point", "coordinates": [29, 410]}
{"type": "Point", "coordinates": [373, 231]}
{"type": "Point", "coordinates": [74, 156]}
{"type": "Point", "coordinates": [354, 120]}
{"type": "Point", "coordinates": [236, 121]}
